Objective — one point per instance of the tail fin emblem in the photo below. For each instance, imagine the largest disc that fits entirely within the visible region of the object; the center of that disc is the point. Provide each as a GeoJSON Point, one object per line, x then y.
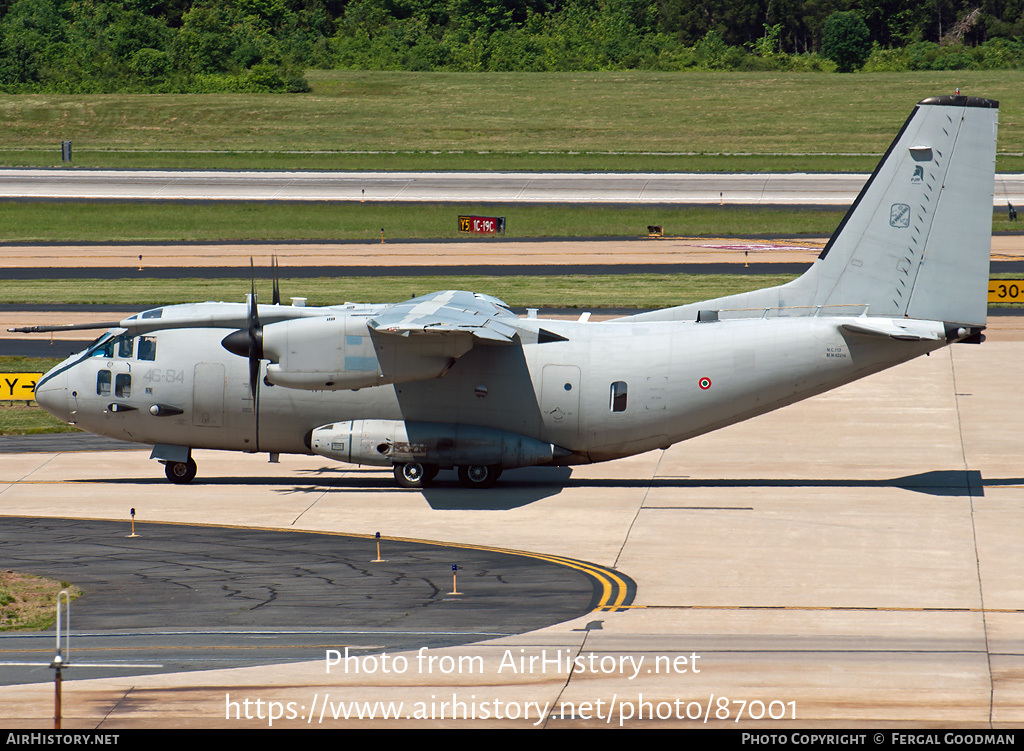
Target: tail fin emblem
{"type": "Point", "coordinates": [899, 215]}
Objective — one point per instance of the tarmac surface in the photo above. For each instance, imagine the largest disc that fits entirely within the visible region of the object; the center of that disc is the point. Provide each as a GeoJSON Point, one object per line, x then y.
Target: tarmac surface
{"type": "Point", "coordinates": [407, 187]}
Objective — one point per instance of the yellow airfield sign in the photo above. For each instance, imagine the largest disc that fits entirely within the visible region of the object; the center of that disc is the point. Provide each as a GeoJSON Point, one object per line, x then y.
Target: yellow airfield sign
{"type": "Point", "coordinates": [18, 386]}
{"type": "Point", "coordinates": [1006, 290]}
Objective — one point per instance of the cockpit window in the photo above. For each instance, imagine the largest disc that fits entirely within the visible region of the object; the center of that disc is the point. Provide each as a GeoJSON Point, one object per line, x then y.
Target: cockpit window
{"type": "Point", "coordinates": [155, 313]}
{"type": "Point", "coordinates": [125, 346]}
{"type": "Point", "coordinates": [102, 346]}
{"type": "Point", "coordinates": [147, 347]}
{"type": "Point", "coordinates": [103, 383]}
{"type": "Point", "coordinates": [105, 349]}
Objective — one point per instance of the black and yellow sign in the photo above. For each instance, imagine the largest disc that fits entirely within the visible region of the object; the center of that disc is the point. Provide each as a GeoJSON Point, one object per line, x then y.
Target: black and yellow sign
{"type": "Point", "coordinates": [1006, 290]}
{"type": "Point", "coordinates": [20, 386]}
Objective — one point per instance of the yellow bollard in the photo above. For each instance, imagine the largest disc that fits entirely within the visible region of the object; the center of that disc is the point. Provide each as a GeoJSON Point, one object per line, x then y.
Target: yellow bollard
{"type": "Point", "coordinates": [455, 588]}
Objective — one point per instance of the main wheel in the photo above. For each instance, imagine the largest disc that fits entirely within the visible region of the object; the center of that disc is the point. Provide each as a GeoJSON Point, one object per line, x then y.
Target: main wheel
{"type": "Point", "coordinates": [479, 475]}
{"type": "Point", "coordinates": [415, 474]}
{"type": "Point", "coordinates": [181, 473]}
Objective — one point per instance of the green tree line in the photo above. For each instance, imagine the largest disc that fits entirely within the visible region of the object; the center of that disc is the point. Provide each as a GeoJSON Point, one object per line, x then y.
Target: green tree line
{"type": "Point", "coordinates": [90, 46]}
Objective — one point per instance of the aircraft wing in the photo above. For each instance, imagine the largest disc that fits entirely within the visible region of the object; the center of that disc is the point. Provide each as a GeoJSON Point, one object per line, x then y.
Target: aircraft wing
{"type": "Point", "coordinates": [451, 312]}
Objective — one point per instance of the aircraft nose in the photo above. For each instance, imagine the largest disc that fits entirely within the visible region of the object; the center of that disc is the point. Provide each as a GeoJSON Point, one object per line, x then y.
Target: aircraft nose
{"type": "Point", "coordinates": [52, 394]}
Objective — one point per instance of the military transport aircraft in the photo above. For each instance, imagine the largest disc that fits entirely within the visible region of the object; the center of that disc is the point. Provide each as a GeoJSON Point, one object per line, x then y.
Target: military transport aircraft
{"type": "Point", "coordinates": [456, 380]}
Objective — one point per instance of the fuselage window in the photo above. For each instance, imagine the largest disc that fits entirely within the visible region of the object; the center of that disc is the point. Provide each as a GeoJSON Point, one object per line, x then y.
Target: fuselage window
{"type": "Point", "coordinates": [125, 347]}
{"type": "Point", "coordinates": [122, 385]}
{"type": "Point", "coordinates": [147, 347]}
{"type": "Point", "coordinates": [155, 313]}
{"type": "Point", "coordinates": [618, 396]}
{"type": "Point", "coordinates": [103, 383]}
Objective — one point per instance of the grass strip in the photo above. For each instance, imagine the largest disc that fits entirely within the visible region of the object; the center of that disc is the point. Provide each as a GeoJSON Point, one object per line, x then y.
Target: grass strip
{"type": "Point", "coordinates": [253, 220]}
{"type": "Point", "coordinates": [591, 292]}
{"type": "Point", "coordinates": [29, 603]}
{"type": "Point", "coordinates": [730, 121]}
{"type": "Point", "coordinates": [83, 222]}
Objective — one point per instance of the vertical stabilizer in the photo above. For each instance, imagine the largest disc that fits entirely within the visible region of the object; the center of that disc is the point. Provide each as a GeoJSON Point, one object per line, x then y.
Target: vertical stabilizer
{"type": "Point", "coordinates": [916, 243]}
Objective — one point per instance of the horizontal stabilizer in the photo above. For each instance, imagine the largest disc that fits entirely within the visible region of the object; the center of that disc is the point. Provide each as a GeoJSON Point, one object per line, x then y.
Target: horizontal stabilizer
{"type": "Point", "coordinates": [905, 329]}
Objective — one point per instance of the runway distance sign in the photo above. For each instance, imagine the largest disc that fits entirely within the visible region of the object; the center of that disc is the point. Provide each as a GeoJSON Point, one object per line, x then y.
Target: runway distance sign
{"type": "Point", "coordinates": [18, 386]}
{"type": "Point", "coordinates": [482, 225]}
{"type": "Point", "coordinates": [1006, 290]}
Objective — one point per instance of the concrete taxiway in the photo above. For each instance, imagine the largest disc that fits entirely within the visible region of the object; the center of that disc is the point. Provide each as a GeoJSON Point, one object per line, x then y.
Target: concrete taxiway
{"type": "Point", "coordinates": [849, 561]}
{"type": "Point", "coordinates": [402, 187]}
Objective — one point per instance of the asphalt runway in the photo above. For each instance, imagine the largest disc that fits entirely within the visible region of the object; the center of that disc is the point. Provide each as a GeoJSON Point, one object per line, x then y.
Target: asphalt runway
{"type": "Point", "coordinates": [195, 598]}
{"type": "Point", "coordinates": [506, 187]}
{"type": "Point", "coordinates": [315, 272]}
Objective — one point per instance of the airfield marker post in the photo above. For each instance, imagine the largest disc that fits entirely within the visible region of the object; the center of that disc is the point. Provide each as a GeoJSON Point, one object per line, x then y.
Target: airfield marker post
{"type": "Point", "coordinates": [132, 512]}
{"type": "Point", "coordinates": [455, 589]}
{"type": "Point", "coordinates": [58, 661]}
{"type": "Point", "coordinates": [378, 559]}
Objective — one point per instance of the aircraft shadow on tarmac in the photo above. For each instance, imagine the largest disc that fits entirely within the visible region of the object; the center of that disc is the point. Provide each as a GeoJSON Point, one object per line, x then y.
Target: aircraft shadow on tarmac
{"type": "Point", "coordinates": [524, 487]}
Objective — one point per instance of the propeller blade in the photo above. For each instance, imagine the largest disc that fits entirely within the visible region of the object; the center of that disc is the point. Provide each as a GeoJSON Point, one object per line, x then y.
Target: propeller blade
{"type": "Point", "coordinates": [255, 350]}
{"type": "Point", "coordinates": [255, 342]}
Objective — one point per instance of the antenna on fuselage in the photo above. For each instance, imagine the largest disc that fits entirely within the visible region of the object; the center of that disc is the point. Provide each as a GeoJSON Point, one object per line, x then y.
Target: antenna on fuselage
{"type": "Point", "coordinates": [274, 265]}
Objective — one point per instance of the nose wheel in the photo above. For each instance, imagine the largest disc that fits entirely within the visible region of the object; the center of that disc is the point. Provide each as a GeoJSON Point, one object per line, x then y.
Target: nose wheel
{"type": "Point", "coordinates": [181, 473]}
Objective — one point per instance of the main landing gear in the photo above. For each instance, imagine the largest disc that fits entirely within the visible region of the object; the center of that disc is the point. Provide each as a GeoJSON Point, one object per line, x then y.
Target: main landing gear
{"type": "Point", "coordinates": [479, 476]}
{"type": "Point", "coordinates": [417, 475]}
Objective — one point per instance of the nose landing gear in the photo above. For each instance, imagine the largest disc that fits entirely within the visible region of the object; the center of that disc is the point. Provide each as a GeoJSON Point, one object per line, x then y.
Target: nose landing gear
{"type": "Point", "coordinates": [181, 473]}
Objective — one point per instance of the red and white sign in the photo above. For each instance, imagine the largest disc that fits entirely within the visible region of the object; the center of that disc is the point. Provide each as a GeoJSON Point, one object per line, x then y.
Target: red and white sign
{"type": "Point", "coordinates": [482, 225]}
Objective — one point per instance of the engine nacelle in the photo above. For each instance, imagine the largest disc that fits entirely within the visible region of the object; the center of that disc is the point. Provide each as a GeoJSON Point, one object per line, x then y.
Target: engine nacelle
{"type": "Point", "coordinates": [386, 442]}
{"type": "Point", "coordinates": [342, 352]}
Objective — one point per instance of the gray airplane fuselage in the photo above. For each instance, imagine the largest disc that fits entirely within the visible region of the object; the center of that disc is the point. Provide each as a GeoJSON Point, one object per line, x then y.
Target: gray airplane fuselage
{"type": "Point", "coordinates": [611, 389]}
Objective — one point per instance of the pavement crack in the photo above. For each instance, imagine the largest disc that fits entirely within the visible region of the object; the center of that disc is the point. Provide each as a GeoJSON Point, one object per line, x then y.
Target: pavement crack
{"type": "Point", "coordinates": [121, 700]}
